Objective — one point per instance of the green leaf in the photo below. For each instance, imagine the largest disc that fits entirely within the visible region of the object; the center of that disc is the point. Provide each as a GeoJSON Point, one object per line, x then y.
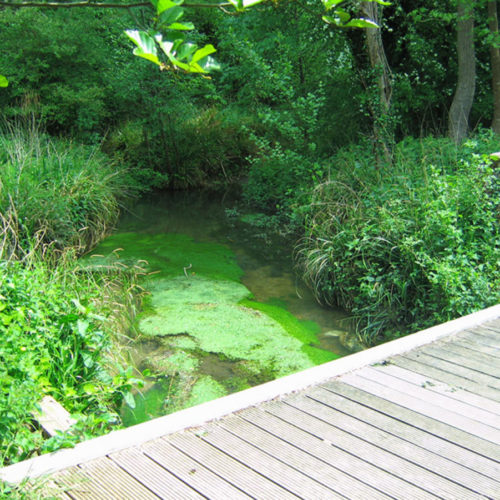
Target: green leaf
{"type": "Point", "coordinates": [203, 52]}
{"type": "Point", "coordinates": [146, 46]}
{"type": "Point", "coordinates": [209, 64]}
{"type": "Point", "coordinates": [163, 5]}
{"type": "Point", "coordinates": [129, 399]}
{"type": "Point", "coordinates": [186, 50]}
{"type": "Point", "coordinates": [250, 3]}
{"type": "Point", "coordinates": [361, 23]}
{"type": "Point", "coordinates": [171, 15]}
{"type": "Point", "coordinates": [328, 4]}
{"type": "Point", "coordinates": [181, 26]}
{"type": "Point", "coordinates": [3, 81]}
{"type": "Point", "coordinates": [90, 388]}
{"type": "Point", "coordinates": [331, 20]}
{"type": "Point", "coordinates": [342, 15]}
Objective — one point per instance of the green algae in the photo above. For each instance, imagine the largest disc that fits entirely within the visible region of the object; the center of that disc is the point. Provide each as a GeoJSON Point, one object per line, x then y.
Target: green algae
{"type": "Point", "coordinates": [220, 325]}
{"type": "Point", "coordinates": [169, 255]}
{"type": "Point", "coordinates": [205, 389]}
{"type": "Point", "coordinates": [304, 331]}
{"type": "Point", "coordinates": [212, 338]}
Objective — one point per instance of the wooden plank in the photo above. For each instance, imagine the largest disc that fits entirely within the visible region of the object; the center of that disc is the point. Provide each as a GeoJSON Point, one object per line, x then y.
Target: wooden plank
{"type": "Point", "coordinates": [445, 377]}
{"type": "Point", "coordinates": [475, 406]}
{"type": "Point", "coordinates": [424, 407]}
{"type": "Point", "coordinates": [146, 471]}
{"type": "Point", "coordinates": [483, 335]}
{"type": "Point", "coordinates": [411, 452]}
{"type": "Point", "coordinates": [244, 478]}
{"type": "Point", "coordinates": [191, 472]}
{"type": "Point", "coordinates": [491, 325]}
{"type": "Point", "coordinates": [276, 469]}
{"type": "Point", "coordinates": [479, 338]}
{"type": "Point", "coordinates": [45, 488]}
{"type": "Point", "coordinates": [403, 430]}
{"type": "Point", "coordinates": [424, 422]}
{"type": "Point", "coordinates": [115, 481]}
{"type": "Point", "coordinates": [79, 486]}
{"type": "Point", "coordinates": [101, 480]}
{"type": "Point", "coordinates": [455, 369]}
{"type": "Point", "coordinates": [53, 417]}
{"type": "Point", "coordinates": [449, 355]}
{"type": "Point", "coordinates": [488, 364]}
{"type": "Point", "coordinates": [307, 454]}
{"type": "Point", "coordinates": [408, 472]}
{"type": "Point", "coordinates": [478, 347]}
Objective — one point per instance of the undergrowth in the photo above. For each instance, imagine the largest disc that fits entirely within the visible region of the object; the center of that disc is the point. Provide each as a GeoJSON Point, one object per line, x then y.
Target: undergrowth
{"type": "Point", "coordinates": [58, 319]}
{"type": "Point", "coordinates": [408, 245]}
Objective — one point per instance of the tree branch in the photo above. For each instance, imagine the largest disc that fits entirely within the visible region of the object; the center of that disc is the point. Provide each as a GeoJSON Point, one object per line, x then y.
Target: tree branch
{"type": "Point", "coordinates": [102, 5]}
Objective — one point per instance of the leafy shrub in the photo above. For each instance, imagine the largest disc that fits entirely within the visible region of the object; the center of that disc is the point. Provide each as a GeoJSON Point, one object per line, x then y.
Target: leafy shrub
{"type": "Point", "coordinates": [286, 164]}
{"type": "Point", "coordinates": [54, 342]}
{"type": "Point", "coordinates": [407, 246]}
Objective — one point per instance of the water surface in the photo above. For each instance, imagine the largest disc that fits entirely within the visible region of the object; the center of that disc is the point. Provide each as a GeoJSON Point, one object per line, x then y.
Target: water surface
{"type": "Point", "coordinates": [226, 310]}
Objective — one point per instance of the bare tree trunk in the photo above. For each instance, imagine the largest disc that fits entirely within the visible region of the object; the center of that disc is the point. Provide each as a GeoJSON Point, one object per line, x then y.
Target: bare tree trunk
{"type": "Point", "coordinates": [382, 129]}
{"type": "Point", "coordinates": [376, 54]}
{"type": "Point", "coordinates": [495, 64]}
{"type": "Point", "coordinates": [458, 118]}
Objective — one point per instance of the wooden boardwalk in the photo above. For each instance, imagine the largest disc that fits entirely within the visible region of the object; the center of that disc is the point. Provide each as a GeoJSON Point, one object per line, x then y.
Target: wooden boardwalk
{"type": "Point", "coordinates": [421, 424]}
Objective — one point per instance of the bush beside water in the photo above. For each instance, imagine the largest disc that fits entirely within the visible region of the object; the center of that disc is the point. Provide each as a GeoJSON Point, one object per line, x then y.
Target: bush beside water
{"type": "Point", "coordinates": [408, 245]}
{"type": "Point", "coordinates": [56, 200]}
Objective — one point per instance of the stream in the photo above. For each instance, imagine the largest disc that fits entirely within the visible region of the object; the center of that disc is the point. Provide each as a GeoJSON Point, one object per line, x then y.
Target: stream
{"type": "Point", "coordinates": [224, 310]}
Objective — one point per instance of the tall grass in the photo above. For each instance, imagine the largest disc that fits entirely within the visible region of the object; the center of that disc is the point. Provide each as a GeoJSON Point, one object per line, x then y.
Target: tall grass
{"type": "Point", "coordinates": [54, 192]}
{"type": "Point", "coordinates": [407, 245]}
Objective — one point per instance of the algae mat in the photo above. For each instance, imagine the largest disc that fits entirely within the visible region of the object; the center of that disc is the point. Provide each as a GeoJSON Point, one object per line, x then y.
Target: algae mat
{"type": "Point", "coordinates": [200, 335]}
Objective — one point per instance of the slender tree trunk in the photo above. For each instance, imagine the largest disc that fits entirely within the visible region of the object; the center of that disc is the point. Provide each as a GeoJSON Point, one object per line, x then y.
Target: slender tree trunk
{"type": "Point", "coordinates": [382, 129]}
{"type": "Point", "coordinates": [376, 54]}
{"type": "Point", "coordinates": [458, 118]}
{"type": "Point", "coordinates": [495, 64]}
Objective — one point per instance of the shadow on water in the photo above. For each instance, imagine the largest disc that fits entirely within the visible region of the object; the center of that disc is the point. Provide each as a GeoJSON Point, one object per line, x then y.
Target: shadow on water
{"type": "Point", "coordinates": [267, 266]}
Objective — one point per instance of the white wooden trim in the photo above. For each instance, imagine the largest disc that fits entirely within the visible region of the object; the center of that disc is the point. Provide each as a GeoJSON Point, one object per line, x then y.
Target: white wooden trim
{"type": "Point", "coordinates": [198, 415]}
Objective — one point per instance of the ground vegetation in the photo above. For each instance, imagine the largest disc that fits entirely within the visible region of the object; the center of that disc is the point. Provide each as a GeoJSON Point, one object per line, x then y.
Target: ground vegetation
{"type": "Point", "coordinates": [372, 148]}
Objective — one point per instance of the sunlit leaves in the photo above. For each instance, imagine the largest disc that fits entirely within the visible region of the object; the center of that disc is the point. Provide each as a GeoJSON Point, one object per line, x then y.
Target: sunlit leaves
{"type": "Point", "coordinates": [146, 46]}
{"type": "Point", "coordinates": [168, 34]}
{"type": "Point", "coordinates": [3, 81]}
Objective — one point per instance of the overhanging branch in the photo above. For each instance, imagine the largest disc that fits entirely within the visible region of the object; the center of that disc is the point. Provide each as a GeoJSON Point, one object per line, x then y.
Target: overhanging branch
{"type": "Point", "coordinates": [102, 5]}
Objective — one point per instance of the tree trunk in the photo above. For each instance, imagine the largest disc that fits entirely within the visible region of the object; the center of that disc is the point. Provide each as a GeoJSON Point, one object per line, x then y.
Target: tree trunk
{"type": "Point", "coordinates": [382, 129]}
{"type": "Point", "coordinates": [376, 54]}
{"type": "Point", "coordinates": [458, 118]}
{"type": "Point", "coordinates": [495, 64]}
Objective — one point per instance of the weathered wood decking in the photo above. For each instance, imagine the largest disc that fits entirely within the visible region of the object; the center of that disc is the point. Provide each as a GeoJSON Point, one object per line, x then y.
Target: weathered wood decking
{"type": "Point", "coordinates": [422, 423]}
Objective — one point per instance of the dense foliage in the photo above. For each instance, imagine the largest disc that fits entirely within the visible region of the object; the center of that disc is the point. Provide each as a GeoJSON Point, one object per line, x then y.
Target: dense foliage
{"type": "Point", "coordinates": [57, 320]}
{"type": "Point", "coordinates": [407, 245]}
{"type": "Point", "coordinates": [400, 231]}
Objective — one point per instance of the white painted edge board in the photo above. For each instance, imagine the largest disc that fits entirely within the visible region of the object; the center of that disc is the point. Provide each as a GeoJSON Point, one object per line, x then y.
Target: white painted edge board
{"type": "Point", "coordinates": [198, 415]}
